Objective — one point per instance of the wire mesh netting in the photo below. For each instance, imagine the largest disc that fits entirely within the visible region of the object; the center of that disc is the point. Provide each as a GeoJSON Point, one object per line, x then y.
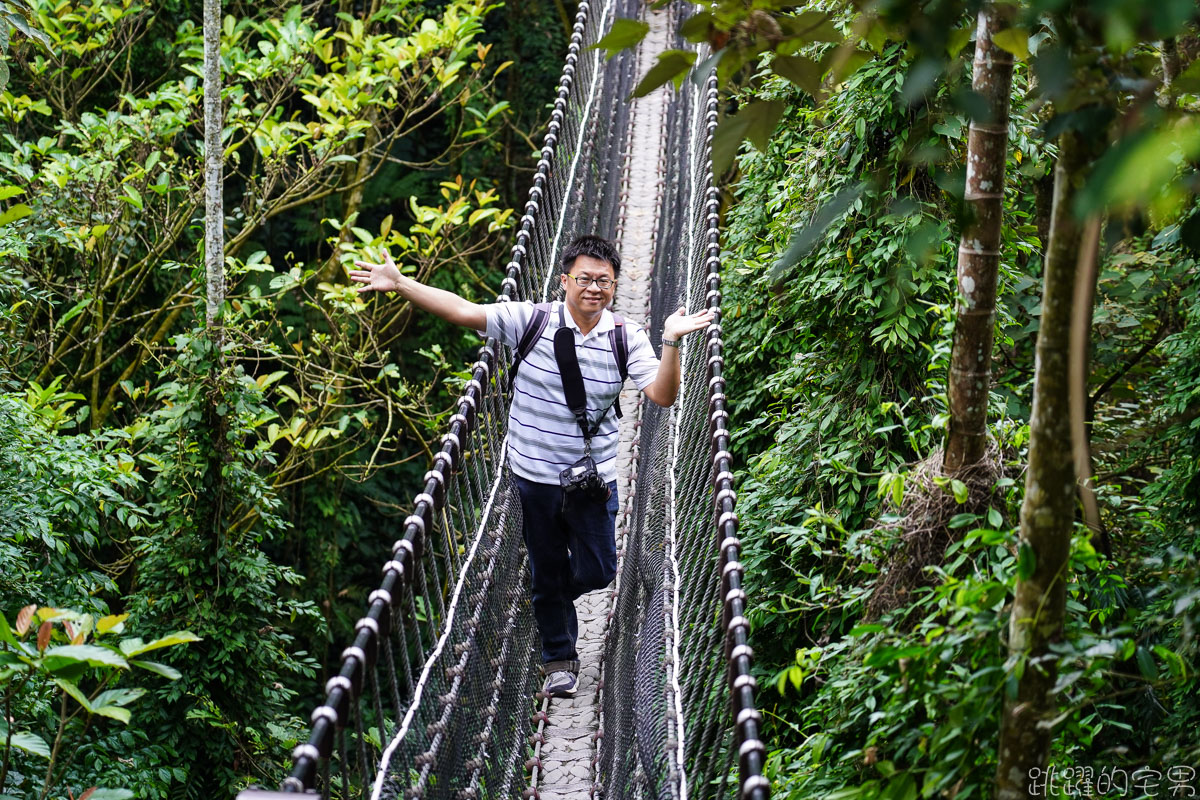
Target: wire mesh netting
{"type": "Point", "coordinates": [433, 697]}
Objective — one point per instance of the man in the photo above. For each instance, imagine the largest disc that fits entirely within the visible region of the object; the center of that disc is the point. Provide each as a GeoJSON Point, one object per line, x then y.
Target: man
{"type": "Point", "coordinates": [571, 541]}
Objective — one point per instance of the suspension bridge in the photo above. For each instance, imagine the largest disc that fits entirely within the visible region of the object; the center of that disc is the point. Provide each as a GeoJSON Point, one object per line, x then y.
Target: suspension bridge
{"type": "Point", "coordinates": [438, 694]}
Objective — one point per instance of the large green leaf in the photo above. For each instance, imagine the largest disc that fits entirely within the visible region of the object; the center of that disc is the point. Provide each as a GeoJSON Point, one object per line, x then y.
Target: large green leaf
{"type": "Point", "coordinates": [697, 26]}
{"type": "Point", "coordinates": [75, 311]}
{"type": "Point", "coordinates": [93, 655]}
{"type": "Point", "coordinates": [1133, 173]}
{"type": "Point", "coordinates": [6, 634]}
{"type": "Point", "coordinates": [16, 212]}
{"type": "Point", "coordinates": [726, 141]}
{"type": "Point", "coordinates": [75, 692]}
{"type": "Point", "coordinates": [1015, 41]}
{"type": "Point", "coordinates": [764, 117]}
{"type": "Point", "coordinates": [170, 673]}
{"type": "Point", "coordinates": [800, 70]}
{"type": "Point", "coordinates": [1189, 80]}
{"type": "Point", "coordinates": [113, 712]}
{"type": "Point", "coordinates": [672, 65]}
{"type": "Point", "coordinates": [756, 122]}
{"type": "Point", "coordinates": [117, 697]}
{"type": "Point", "coordinates": [810, 26]}
{"type": "Point", "coordinates": [30, 743]}
{"type": "Point", "coordinates": [623, 34]}
{"type": "Point", "coordinates": [134, 198]}
{"type": "Point", "coordinates": [135, 647]}
{"type": "Point", "coordinates": [24, 27]}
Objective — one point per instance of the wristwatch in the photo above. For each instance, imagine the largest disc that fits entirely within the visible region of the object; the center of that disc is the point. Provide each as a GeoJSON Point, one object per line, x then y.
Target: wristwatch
{"type": "Point", "coordinates": [670, 342]}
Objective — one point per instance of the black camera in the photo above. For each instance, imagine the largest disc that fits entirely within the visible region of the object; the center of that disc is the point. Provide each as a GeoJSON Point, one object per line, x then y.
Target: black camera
{"type": "Point", "coordinates": [582, 479]}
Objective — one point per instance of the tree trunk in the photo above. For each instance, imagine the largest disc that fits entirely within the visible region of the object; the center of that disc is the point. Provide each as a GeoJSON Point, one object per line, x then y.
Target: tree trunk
{"type": "Point", "coordinates": [1048, 512]}
{"type": "Point", "coordinates": [1170, 70]}
{"type": "Point", "coordinates": [979, 250]}
{"type": "Point", "coordinates": [215, 426]}
{"type": "Point", "coordinates": [214, 212]}
{"type": "Point", "coordinates": [1081, 359]}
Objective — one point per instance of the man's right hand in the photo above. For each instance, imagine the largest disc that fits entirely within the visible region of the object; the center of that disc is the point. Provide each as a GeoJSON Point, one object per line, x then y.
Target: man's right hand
{"type": "Point", "coordinates": [386, 277]}
{"type": "Point", "coordinates": [383, 277]}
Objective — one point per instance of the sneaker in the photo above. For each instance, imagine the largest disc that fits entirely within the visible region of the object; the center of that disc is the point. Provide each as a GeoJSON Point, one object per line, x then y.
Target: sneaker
{"type": "Point", "coordinates": [561, 684]}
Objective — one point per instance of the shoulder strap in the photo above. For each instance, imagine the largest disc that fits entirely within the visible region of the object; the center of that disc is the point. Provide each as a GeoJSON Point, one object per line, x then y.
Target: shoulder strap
{"type": "Point", "coordinates": [572, 376]}
{"type": "Point", "coordinates": [529, 337]}
{"type": "Point", "coordinates": [572, 380]}
{"type": "Point", "coordinates": [618, 342]}
{"type": "Point", "coordinates": [618, 339]}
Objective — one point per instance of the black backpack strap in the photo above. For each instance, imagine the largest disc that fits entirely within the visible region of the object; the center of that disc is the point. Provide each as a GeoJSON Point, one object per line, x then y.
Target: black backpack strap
{"type": "Point", "coordinates": [572, 381]}
{"type": "Point", "coordinates": [529, 337]}
{"type": "Point", "coordinates": [572, 376]}
{"type": "Point", "coordinates": [618, 342]}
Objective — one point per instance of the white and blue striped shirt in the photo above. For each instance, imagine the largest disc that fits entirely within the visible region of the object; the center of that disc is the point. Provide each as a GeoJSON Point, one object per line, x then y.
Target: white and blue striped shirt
{"type": "Point", "coordinates": [543, 436]}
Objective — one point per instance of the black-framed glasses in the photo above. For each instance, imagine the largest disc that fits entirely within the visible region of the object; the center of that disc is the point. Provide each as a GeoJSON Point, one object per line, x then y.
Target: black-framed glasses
{"type": "Point", "coordinates": [584, 281]}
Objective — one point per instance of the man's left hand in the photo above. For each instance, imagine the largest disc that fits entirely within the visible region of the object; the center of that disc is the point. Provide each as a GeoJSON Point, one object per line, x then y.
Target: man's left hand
{"type": "Point", "coordinates": [681, 323]}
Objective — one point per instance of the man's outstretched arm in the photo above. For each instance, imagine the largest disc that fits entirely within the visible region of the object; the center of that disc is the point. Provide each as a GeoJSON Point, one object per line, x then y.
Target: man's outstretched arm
{"type": "Point", "coordinates": [386, 277]}
{"type": "Point", "coordinates": [665, 387]}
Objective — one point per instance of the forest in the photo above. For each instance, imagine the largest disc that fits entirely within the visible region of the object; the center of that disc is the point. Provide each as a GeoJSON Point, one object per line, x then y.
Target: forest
{"type": "Point", "coordinates": [962, 317]}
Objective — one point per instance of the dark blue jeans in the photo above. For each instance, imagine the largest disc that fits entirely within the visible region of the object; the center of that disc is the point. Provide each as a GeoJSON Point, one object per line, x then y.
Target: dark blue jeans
{"type": "Point", "coordinates": [571, 551]}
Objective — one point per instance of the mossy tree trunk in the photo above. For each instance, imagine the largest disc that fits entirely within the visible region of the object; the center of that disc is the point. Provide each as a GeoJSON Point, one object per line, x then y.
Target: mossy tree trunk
{"type": "Point", "coordinates": [215, 413]}
{"type": "Point", "coordinates": [979, 249]}
{"type": "Point", "coordinates": [1048, 511]}
{"type": "Point", "coordinates": [1169, 54]}
{"type": "Point", "coordinates": [214, 211]}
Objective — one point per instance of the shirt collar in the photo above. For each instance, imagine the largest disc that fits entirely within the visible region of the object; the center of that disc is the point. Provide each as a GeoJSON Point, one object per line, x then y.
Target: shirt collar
{"type": "Point", "coordinates": [606, 323]}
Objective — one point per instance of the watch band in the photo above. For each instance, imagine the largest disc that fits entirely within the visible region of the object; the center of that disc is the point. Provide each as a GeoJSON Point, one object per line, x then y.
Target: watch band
{"type": "Point", "coordinates": [670, 342]}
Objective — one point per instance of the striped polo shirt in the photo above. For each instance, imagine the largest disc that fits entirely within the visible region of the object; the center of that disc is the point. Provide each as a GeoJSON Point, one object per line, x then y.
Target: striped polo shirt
{"type": "Point", "coordinates": [543, 436]}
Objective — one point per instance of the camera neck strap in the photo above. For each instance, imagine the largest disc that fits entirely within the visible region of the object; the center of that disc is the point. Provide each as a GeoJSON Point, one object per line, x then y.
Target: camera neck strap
{"type": "Point", "coordinates": [572, 381]}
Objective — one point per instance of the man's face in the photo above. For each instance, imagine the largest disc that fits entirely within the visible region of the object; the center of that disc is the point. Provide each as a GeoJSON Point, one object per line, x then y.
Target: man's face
{"type": "Point", "coordinates": [593, 299]}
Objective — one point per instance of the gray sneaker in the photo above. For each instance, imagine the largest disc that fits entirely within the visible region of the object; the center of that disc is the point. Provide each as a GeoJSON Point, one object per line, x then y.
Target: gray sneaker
{"type": "Point", "coordinates": [561, 684]}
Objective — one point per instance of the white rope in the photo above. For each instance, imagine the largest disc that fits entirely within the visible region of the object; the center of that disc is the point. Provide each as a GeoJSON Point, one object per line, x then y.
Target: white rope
{"type": "Point", "coordinates": [447, 626]}
{"type": "Point", "coordinates": [551, 270]}
{"type": "Point", "coordinates": [677, 690]}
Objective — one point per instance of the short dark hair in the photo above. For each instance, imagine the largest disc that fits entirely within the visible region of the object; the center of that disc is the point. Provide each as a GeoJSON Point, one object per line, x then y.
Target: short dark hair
{"type": "Point", "coordinates": [595, 247]}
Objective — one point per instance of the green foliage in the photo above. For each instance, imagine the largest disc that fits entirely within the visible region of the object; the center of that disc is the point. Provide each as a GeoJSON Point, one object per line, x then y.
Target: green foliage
{"type": "Point", "coordinates": [840, 264]}
{"type": "Point", "coordinates": [671, 65]}
{"type": "Point", "coordinates": [15, 15]}
{"type": "Point", "coordinates": [1177, 489]}
{"type": "Point", "coordinates": [123, 484]}
{"type": "Point", "coordinates": [855, 322]}
{"type": "Point", "coordinates": [65, 503]}
{"type": "Point", "coordinates": [59, 697]}
{"type": "Point", "coordinates": [906, 706]}
{"type": "Point", "coordinates": [202, 566]}
{"type": "Point", "coordinates": [623, 34]}
{"type": "Point", "coordinates": [314, 114]}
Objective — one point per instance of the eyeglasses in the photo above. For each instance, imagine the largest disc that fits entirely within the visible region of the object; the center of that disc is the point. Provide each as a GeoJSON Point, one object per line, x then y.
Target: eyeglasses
{"type": "Point", "coordinates": [584, 281]}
